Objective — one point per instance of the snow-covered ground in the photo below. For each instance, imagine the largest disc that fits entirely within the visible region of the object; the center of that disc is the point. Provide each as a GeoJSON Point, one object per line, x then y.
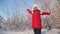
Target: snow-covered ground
{"type": "Point", "coordinates": [44, 31]}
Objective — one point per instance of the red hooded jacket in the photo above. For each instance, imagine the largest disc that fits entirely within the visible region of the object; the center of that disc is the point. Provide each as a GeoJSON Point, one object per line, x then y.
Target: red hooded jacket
{"type": "Point", "coordinates": [36, 18]}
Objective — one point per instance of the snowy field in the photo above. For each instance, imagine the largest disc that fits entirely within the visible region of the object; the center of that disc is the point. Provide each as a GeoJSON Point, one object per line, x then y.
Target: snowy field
{"type": "Point", "coordinates": [44, 31]}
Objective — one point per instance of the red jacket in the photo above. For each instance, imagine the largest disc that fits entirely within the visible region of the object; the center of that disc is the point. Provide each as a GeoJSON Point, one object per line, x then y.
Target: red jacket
{"type": "Point", "coordinates": [36, 18]}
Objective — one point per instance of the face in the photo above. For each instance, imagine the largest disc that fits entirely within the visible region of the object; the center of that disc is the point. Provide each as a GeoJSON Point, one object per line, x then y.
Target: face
{"type": "Point", "coordinates": [35, 8]}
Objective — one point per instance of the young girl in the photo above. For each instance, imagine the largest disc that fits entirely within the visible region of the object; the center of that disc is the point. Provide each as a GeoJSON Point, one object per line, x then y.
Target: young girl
{"type": "Point", "coordinates": [36, 19]}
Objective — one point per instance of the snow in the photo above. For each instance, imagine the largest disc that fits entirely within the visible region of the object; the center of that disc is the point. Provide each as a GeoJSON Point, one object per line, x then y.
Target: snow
{"type": "Point", "coordinates": [44, 31]}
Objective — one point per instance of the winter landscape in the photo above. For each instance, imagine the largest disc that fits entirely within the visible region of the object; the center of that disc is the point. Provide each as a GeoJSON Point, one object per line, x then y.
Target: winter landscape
{"type": "Point", "coordinates": [15, 20]}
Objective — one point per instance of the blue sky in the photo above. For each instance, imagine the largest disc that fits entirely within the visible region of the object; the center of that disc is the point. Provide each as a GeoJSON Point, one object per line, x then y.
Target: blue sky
{"type": "Point", "coordinates": [11, 5]}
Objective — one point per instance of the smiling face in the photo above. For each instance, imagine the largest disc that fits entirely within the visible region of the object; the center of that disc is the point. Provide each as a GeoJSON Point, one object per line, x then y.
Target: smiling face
{"type": "Point", "coordinates": [35, 8]}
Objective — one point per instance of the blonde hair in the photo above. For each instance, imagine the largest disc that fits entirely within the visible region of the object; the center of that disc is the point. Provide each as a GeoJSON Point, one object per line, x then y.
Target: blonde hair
{"type": "Point", "coordinates": [34, 7]}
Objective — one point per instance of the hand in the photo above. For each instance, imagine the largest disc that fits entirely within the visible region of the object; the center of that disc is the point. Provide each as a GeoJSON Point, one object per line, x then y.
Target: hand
{"type": "Point", "coordinates": [26, 8]}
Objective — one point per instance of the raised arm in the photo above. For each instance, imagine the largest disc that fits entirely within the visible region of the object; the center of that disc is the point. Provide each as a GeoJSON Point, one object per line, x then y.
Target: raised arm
{"type": "Point", "coordinates": [45, 13]}
{"type": "Point", "coordinates": [29, 11]}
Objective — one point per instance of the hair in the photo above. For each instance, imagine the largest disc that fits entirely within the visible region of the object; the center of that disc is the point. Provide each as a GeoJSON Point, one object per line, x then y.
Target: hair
{"type": "Point", "coordinates": [34, 7]}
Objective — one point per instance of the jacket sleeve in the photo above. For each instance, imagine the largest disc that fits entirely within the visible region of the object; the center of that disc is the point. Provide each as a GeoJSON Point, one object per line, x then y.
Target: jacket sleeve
{"type": "Point", "coordinates": [29, 11]}
{"type": "Point", "coordinates": [45, 13]}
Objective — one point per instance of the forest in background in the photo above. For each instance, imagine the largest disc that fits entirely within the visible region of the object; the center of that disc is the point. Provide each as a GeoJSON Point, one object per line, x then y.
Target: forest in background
{"type": "Point", "coordinates": [21, 22]}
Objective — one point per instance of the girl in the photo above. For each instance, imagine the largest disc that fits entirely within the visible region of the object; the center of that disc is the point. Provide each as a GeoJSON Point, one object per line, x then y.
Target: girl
{"type": "Point", "coordinates": [36, 19]}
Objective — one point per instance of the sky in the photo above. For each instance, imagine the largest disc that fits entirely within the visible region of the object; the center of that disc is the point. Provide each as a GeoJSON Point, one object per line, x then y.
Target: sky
{"type": "Point", "coordinates": [12, 5]}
